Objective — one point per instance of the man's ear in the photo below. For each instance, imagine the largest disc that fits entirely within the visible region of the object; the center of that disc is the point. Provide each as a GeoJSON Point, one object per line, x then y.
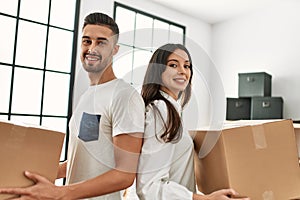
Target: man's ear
{"type": "Point", "coordinates": [116, 49]}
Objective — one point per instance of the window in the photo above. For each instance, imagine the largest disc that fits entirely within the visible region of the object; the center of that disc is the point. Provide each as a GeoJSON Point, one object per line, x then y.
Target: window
{"type": "Point", "coordinates": [140, 34]}
{"type": "Point", "coordinates": [37, 61]}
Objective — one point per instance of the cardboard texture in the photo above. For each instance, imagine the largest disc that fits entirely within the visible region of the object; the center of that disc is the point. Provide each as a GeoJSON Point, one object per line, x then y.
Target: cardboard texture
{"type": "Point", "coordinates": [257, 159]}
{"type": "Point", "coordinates": [30, 148]}
{"type": "Point", "coordinates": [297, 133]}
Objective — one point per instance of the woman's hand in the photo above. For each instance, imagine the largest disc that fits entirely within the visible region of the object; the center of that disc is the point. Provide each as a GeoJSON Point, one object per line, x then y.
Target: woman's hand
{"type": "Point", "coordinates": [225, 194]}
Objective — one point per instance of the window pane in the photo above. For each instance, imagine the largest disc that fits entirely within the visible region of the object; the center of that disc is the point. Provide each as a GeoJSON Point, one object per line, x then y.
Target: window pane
{"type": "Point", "coordinates": [59, 17]}
{"type": "Point", "coordinates": [9, 7]}
{"type": "Point", "coordinates": [143, 32]}
{"type": "Point", "coordinates": [35, 10]}
{"type": "Point", "coordinates": [123, 63]}
{"type": "Point", "coordinates": [4, 117]}
{"type": "Point", "coordinates": [176, 34]}
{"type": "Point", "coordinates": [125, 19]}
{"type": "Point", "coordinates": [161, 33]}
{"type": "Point", "coordinates": [7, 39]}
{"type": "Point", "coordinates": [56, 94]}
{"type": "Point", "coordinates": [27, 91]}
{"type": "Point", "coordinates": [31, 45]}
{"type": "Point", "coordinates": [26, 119]}
{"type": "Point", "coordinates": [59, 50]}
{"type": "Point", "coordinates": [55, 123]}
{"type": "Point", "coordinates": [141, 60]}
{"type": "Point", "coordinates": [5, 78]}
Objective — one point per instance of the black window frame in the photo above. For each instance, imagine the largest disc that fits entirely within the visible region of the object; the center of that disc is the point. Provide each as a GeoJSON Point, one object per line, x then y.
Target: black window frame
{"type": "Point", "coordinates": [71, 74]}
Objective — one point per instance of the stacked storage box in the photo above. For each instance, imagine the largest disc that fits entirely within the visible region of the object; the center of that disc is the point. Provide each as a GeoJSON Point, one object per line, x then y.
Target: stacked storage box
{"type": "Point", "coordinates": [255, 100]}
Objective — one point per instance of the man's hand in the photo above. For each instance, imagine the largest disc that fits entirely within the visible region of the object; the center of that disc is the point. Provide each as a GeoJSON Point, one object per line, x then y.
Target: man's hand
{"type": "Point", "coordinates": [42, 189]}
{"type": "Point", "coordinates": [127, 149]}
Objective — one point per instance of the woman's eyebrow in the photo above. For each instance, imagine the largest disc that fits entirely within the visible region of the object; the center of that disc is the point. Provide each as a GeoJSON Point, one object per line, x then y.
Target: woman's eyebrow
{"type": "Point", "coordinates": [172, 60]}
{"type": "Point", "coordinates": [177, 60]}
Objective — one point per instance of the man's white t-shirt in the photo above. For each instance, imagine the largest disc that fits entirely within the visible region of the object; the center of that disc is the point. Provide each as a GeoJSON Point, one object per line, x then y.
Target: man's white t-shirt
{"type": "Point", "coordinates": [104, 111]}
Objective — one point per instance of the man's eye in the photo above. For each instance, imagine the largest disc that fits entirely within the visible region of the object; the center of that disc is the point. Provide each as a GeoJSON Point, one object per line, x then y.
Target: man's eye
{"type": "Point", "coordinates": [86, 42]}
{"type": "Point", "coordinates": [102, 43]}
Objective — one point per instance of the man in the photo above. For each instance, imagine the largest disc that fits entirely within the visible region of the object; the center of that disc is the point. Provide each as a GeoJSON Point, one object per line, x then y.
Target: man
{"type": "Point", "coordinates": [105, 129]}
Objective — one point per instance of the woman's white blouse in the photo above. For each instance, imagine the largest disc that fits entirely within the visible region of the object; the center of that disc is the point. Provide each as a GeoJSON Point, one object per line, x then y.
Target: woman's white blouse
{"type": "Point", "coordinates": [166, 170]}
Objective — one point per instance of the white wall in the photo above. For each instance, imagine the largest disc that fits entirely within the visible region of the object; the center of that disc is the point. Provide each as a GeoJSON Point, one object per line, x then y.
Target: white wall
{"type": "Point", "coordinates": [198, 42]}
{"type": "Point", "coordinates": [268, 40]}
{"type": "Point", "coordinates": [86, 7]}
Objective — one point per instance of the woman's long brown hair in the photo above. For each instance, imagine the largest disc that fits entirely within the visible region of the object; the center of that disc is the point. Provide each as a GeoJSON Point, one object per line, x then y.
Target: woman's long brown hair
{"type": "Point", "coordinates": [151, 91]}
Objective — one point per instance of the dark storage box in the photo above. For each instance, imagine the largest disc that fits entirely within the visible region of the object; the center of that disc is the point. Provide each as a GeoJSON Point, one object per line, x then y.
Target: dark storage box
{"type": "Point", "coordinates": [238, 108]}
{"type": "Point", "coordinates": [254, 84]}
{"type": "Point", "coordinates": [266, 108]}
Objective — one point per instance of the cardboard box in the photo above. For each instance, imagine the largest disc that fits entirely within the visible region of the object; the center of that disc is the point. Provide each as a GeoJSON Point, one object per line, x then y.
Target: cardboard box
{"type": "Point", "coordinates": [32, 148]}
{"type": "Point", "coordinates": [297, 133]}
{"type": "Point", "coordinates": [257, 159]}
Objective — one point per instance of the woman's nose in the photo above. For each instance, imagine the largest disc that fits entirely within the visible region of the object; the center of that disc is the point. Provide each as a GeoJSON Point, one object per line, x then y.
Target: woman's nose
{"type": "Point", "coordinates": [181, 69]}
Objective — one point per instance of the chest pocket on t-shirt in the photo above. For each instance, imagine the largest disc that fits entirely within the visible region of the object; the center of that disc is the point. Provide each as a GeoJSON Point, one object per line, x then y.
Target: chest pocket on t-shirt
{"type": "Point", "coordinates": [89, 127]}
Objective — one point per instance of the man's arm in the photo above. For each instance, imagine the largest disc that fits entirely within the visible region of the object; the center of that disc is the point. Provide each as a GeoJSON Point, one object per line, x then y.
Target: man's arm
{"type": "Point", "coordinates": [127, 148]}
{"type": "Point", "coordinates": [62, 170]}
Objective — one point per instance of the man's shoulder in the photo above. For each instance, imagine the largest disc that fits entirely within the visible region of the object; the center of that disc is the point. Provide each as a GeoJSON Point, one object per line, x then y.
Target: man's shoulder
{"type": "Point", "coordinates": [125, 88]}
{"type": "Point", "coordinates": [123, 84]}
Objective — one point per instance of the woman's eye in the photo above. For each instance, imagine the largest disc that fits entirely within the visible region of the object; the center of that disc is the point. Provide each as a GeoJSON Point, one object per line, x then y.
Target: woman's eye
{"type": "Point", "coordinates": [186, 66]}
{"type": "Point", "coordinates": [173, 65]}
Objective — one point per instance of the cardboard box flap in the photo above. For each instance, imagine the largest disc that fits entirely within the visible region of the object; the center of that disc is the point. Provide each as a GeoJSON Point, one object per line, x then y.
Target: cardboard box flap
{"type": "Point", "coordinates": [259, 160]}
{"type": "Point", "coordinates": [295, 198]}
{"type": "Point", "coordinates": [211, 139]}
{"type": "Point", "coordinates": [217, 153]}
{"type": "Point", "coordinates": [297, 134]}
{"type": "Point", "coordinates": [25, 147]}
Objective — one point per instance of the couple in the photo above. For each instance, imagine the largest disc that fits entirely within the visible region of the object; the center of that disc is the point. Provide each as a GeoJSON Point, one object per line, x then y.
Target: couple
{"type": "Point", "coordinates": [109, 128]}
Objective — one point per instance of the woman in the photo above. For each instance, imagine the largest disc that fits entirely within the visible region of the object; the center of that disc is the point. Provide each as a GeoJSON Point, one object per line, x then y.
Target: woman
{"type": "Point", "coordinates": [166, 168]}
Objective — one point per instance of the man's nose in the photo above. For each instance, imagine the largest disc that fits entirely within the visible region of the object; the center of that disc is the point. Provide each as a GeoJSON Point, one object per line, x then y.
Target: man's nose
{"type": "Point", "coordinates": [92, 47]}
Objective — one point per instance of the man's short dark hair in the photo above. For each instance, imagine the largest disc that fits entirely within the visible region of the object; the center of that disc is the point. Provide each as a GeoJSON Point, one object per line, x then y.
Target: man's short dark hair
{"type": "Point", "coordinates": [102, 20]}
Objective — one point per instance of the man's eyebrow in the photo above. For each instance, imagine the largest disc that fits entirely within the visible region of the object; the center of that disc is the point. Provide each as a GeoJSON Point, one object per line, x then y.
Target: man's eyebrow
{"type": "Point", "coordinates": [99, 38]}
